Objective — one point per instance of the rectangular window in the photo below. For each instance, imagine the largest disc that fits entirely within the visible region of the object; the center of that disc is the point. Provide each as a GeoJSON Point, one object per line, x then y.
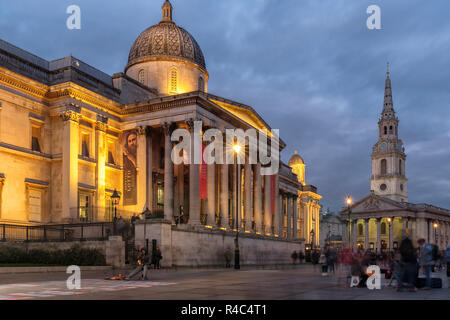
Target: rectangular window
{"type": "Point", "coordinates": [84, 206]}
{"type": "Point", "coordinates": [109, 209]}
{"type": "Point", "coordinates": [160, 195]}
{"type": "Point", "coordinates": [36, 139]}
{"type": "Point", "coordinates": [85, 138]}
{"type": "Point", "coordinates": [34, 205]}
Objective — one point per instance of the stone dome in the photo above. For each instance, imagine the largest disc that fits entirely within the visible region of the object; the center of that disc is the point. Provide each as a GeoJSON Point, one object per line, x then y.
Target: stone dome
{"type": "Point", "coordinates": [166, 40]}
{"type": "Point", "coordinates": [296, 159]}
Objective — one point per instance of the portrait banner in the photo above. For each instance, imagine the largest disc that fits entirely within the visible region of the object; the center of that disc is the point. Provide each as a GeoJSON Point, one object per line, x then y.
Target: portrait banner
{"type": "Point", "coordinates": [129, 143]}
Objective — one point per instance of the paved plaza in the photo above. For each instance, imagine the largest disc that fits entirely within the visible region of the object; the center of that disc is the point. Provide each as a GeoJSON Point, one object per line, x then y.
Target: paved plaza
{"type": "Point", "coordinates": [287, 283]}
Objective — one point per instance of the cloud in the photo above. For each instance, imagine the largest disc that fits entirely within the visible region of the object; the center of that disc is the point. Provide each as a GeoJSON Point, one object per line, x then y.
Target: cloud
{"type": "Point", "coordinates": [310, 68]}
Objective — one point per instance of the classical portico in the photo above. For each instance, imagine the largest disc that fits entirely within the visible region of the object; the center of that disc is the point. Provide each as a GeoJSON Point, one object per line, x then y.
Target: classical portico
{"type": "Point", "coordinates": [377, 223]}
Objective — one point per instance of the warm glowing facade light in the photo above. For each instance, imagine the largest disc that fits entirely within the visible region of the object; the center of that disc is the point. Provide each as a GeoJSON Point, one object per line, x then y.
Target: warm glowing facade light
{"type": "Point", "coordinates": [389, 220]}
{"type": "Point", "coordinates": [435, 225]}
{"type": "Point", "coordinates": [349, 201]}
{"type": "Point", "coordinates": [237, 148]}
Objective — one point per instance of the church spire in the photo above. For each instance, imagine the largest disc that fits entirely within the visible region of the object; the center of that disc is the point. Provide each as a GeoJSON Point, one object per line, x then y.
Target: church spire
{"type": "Point", "coordinates": [388, 105]}
{"type": "Point", "coordinates": [167, 11]}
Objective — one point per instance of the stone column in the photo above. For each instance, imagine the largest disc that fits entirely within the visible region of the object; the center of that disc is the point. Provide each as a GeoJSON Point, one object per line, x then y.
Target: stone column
{"type": "Point", "coordinates": [194, 181]}
{"type": "Point", "coordinates": [168, 173]}
{"type": "Point", "coordinates": [278, 216]}
{"type": "Point", "coordinates": [295, 217]}
{"type": "Point", "coordinates": [211, 195]}
{"type": "Point", "coordinates": [391, 234]}
{"type": "Point", "coordinates": [70, 151]}
{"type": "Point", "coordinates": [257, 201]}
{"type": "Point", "coordinates": [366, 233]}
{"type": "Point", "coordinates": [430, 231]}
{"type": "Point", "coordinates": [267, 213]}
{"type": "Point", "coordinates": [405, 225]}
{"type": "Point", "coordinates": [149, 168]}
{"type": "Point", "coordinates": [100, 172]}
{"type": "Point", "coordinates": [289, 217]}
{"type": "Point", "coordinates": [355, 227]}
{"type": "Point", "coordinates": [224, 208]}
{"type": "Point", "coordinates": [248, 195]}
{"type": "Point", "coordinates": [141, 169]}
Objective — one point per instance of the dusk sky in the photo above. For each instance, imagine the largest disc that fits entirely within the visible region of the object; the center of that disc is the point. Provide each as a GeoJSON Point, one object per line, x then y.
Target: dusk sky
{"type": "Point", "coordinates": [310, 68]}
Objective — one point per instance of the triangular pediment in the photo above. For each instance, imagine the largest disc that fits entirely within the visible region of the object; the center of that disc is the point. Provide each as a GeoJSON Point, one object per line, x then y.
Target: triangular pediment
{"type": "Point", "coordinates": [242, 112]}
{"type": "Point", "coordinates": [376, 203]}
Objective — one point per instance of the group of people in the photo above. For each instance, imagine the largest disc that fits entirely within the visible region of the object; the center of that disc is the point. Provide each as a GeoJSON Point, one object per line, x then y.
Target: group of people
{"type": "Point", "coordinates": [300, 256]}
{"type": "Point", "coordinates": [403, 265]}
{"type": "Point", "coordinates": [144, 262]}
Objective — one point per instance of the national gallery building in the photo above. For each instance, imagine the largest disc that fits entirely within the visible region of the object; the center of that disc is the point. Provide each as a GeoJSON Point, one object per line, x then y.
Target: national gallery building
{"type": "Point", "coordinates": [71, 135]}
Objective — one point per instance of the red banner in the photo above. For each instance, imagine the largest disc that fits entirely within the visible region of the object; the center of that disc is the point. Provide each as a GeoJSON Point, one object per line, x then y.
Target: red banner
{"type": "Point", "coordinates": [203, 176]}
{"type": "Point", "coordinates": [272, 194]}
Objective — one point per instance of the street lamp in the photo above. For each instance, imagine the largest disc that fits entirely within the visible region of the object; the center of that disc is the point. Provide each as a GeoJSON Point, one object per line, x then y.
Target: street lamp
{"type": "Point", "coordinates": [349, 209]}
{"type": "Point", "coordinates": [389, 220]}
{"type": "Point", "coordinates": [237, 149]}
{"type": "Point", "coordinates": [435, 226]}
{"type": "Point", "coordinates": [115, 200]}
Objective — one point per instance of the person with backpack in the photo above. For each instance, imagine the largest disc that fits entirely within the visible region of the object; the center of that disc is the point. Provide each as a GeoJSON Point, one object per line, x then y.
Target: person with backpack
{"type": "Point", "coordinates": [426, 261]}
{"type": "Point", "coordinates": [408, 266]}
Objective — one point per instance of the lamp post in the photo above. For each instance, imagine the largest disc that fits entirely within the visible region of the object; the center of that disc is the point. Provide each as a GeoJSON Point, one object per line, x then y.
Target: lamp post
{"type": "Point", "coordinates": [349, 209]}
{"type": "Point", "coordinates": [115, 200]}
{"type": "Point", "coordinates": [435, 226]}
{"type": "Point", "coordinates": [312, 238]}
{"type": "Point", "coordinates": [389, 240]}
{"type": "Point", "coordinates": [237, 266]}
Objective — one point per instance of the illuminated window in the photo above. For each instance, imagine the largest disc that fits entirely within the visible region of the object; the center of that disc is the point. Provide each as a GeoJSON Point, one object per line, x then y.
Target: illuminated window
{"type": "Point", "coordinates": [201, 84]}
{"type": "Point", "coordinates": [360, 229]}
{"type": "Point", "coordinates": [84, 206]}
{"type": "Point", "coordinates": [141, 76]}
{"type": "Point", "coordinates": [160, 195]}
{"type": "Point", "coordinates": [36, 138]}
{"type": "Point", "coordinates": [34, 205]}
{"type": "Point", "coordinates": [383, 166]}
{"type": "Point", "coordinates": [383, 228]}
{"type": "Point", "coordinates": [173, 81]}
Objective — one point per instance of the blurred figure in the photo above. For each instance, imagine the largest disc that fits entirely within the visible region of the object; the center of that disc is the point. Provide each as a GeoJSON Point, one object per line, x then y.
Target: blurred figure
{"type": "Point", "coordinates": [426, 261]}
{"type": "Point", "coordinates": [408, 265]}
{"type": "Point", "coordinates": [294, 257]}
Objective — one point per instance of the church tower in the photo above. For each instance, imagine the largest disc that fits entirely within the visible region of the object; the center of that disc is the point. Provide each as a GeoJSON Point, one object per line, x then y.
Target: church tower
{"type": "Point", "coordinates": [388, 154]}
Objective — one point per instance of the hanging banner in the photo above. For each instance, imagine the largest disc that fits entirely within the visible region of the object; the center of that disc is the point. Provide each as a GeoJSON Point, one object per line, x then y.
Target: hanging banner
{"type": "Point", "coordinates": [129, 143]}
{"type": "Point", "coordinates": [272, 194]}
{"type": "Point", "coordinates": [203, 176]}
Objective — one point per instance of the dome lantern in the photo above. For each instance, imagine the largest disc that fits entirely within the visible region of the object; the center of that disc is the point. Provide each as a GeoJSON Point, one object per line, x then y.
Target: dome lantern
{"type": "Point", "coordinates": [167, 11]}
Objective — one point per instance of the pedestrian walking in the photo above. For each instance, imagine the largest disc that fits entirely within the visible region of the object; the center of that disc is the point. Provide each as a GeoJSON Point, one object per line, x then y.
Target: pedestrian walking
{"type": "Point", "coordinates": [157, 258]}
{"type": "Point", "coordinates": [408, 266]}
{"type": "Point", "coordinates": [142, 265]}
{"type": "Point", "coordinates": [294, 257]}
{"type": "Point", "coordinates": [426, 261]}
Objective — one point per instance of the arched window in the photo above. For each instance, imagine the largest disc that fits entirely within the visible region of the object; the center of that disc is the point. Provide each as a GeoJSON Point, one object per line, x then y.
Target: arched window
{"type": "Point", "coordinates": [383, 170]}
{"type": "Point", "coordinates": [400, 166]}
{"type": "Point", "coordinates": [383, 228]}
{"type": "Point", "coordinates": [360, 229]}
{"type": "Point", "coordinates": [390, 130]}
{"type": "Point", "coordinates": [173, 81]}
{"type": "Point", "coordinates": [201, 84]}
{"type": "Point", "coordinates": [385, 130]}
{"type": "Point", "coordinates": [141, 76]}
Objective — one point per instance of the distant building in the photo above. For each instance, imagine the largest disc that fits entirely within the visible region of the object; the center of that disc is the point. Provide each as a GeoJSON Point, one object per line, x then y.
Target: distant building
{"type": "Point", "coordinates": [384, 217]}
{"type": "Point", "coordinates": [333, 229]}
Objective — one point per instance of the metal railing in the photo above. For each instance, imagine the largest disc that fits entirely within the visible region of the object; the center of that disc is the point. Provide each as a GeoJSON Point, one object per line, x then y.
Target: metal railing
{"type": "Point", "coordinates": [62, 232]}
